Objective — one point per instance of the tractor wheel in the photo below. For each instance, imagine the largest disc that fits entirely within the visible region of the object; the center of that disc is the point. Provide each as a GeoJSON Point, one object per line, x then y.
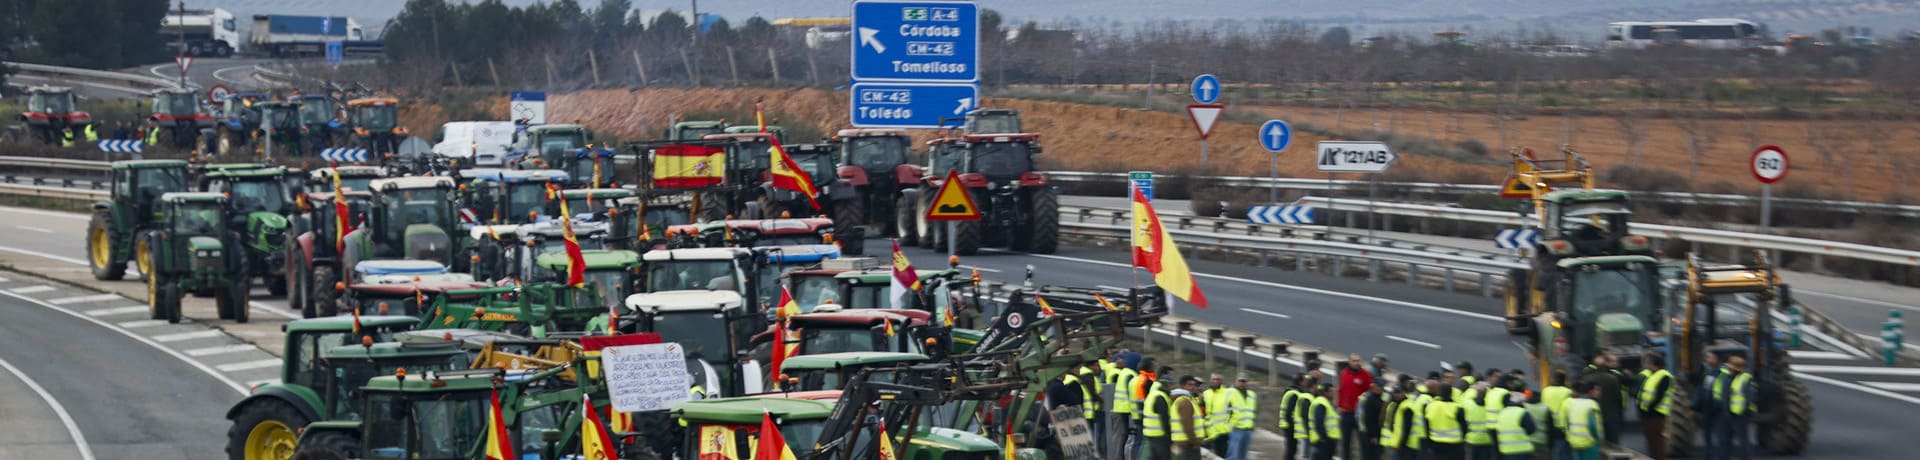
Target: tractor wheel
{"type": "Point", "coordinates": [143, 254]}
{"type": "Point", "coordinates": [1789, 435]}
{"type": "Point", "coordinates": [103, 255]}
{"type": "Point", "coordinates": [294, 280]}
{"type": "Point", "coordinates": [276, 285]}
{"type": "Point", "coordinates": [966, 240]}
{"type": "Point", "coordinates": [341, 444]}
{"type": "Point", "coordinates": [1682, 423]}
{"type": "Point", "coordinates": [156, 305]}
{"type": "Point", "coordinates": [325, 299]}
{"type": "Point", "coordinates": [240, 299]}
{"type": "Point", "coordinates": [713, 206]}
{"type": "Point", "coordinates": [265, 429]}
{"type": "Point", "coordinates": [905, 226]}
{"type": "Point", "coordinates": [1043, 234]}
{"type": "Point", "coordinates": [223, 302]}
{"type": "Point", "coordinates": [849, 219]}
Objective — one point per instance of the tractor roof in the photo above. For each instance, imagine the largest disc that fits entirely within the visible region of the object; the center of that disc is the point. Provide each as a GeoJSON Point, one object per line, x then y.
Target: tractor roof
{"type": "Point", "coordinates": [399, 267]}
{"type": "Point", "coordinates": [411, 183]}
{"type": "Point", "coordinates": [978, 112]}
{"type": "Point", "coordinates": [548, 128]}
{"type": "Point", "coordinates": [373, 101]}
{"type": "Point", "coordinates": [392, 350]}
{"type": "Point", "coordinates": [1603, 260]}
{"type": "Point", "coordinates": [436, 383]}
{"type": "Point", "coordinates": [870, 132]}
{"type": "Point", "coordinates": [314, 96]}
{"type": "Point", "coordinates": [884, 275]}
{"type": "Point", "coordinates": [194, 197]}
{"type": "Point", "coordinates": [348, 171]}
{"type": "Point", "coordinates": [231, 166]}
{"type": "Point", "coordinates": [695, 254]}
{"type": "Point", "coordinates": [746, 411]}
{"type": "Point", "coordinates": [597, 259]}
{"type": "Point", "coordinates": [861, 317]}
{"type": "Point", "coordinates": [345, 323]}
{"type": "Point", "coordinates": [515, 175]}
{"type": "Point", "coordinates": [49, 89]}
{"type": "Point", "coordinates": [803, 253]}
{"type": "Point", "coordinates": [671, 301]}
{"type": "Point", "coordinates": [597, 193]}
{"type": "Point", "coordinates": [149, 164]}
{"type": "Point", "coordinates": [352, 195]}
{"type": "Point", "coordinates": [1563, 196]}
{"type": "Point", "coordinates": [747, 136]}
{"type": "Point", "coordinates": [851, 358]}
{"type": "Point", "coordinates": [988, 138]}
{"type": "Point", "coordinates": [255, 173]}
{"type": "Point", "coordinates": [753, 129]}
{"type": "Point", "coordinates": [811, 149]}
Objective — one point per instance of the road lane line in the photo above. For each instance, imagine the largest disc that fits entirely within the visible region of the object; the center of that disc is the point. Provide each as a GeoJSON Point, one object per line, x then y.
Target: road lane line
{"type": "Point", "coordinates": [1810, 354]}
{"type": "Point", "coordinates": [1858, 370]}
{"type": "Point", "coordinates": [220, 350]}
{"type": "Point", "coordinates": [185, 336]}
{"type": "Point", "coordinates": [156, 345]}
{"type": "Point", "coordinates": [1295, 288]}
{"type": "Point", "coordinates": [277, 311]}
{"type": "Point", "coordinates": [1863, 389]}
{"type": "Point", "coordinates": [1907, 387]}
{"type": "Point", "coordinates": [33, 229]}
{"type": "Point", "coordinates": [1412, 341]}
{"type": "Point", "coordinates": [1268, 313]}
{"type": "Point", "coordinates": [117, 311]}
{"type": "Point", "coordinates": [217, 76]}
{"type": "Point", "coordinates": [141, 324]}
{"type": "Point", "coordinates": [55, 258]}
{"type": "Point", "coordinates": [261, 364]}
{"type": "Point", "coordinates": [31, 289]}
{"type": "Point", "coordinates": [84, 298]}
{"type": "Point", "coordinates": [1857, 299]}
{"type": "Point", "coordinates": [73, 429]}
{"type": "Point", "coordinates": [43, 212]}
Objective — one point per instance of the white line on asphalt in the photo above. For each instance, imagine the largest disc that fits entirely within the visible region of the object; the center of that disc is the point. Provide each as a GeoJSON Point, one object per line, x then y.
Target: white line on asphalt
{"type": "Point", "coordinates": [1412, 341]}
{"type": "Point", "coordinates": [1907, 387]}
{"type": "Point", "coordinates": [217, 76]}
{"type": "Point", "coordinates": [42, 212]}
{"type": "Point", "coordinates": [1858, 370]}
{"type": "Point", "coordinates": [33, 229]}
{"type": "Point", "coordinates": [4, 280]}
{"type": "Point", "coordinates": [140, 324]}
{"type": "Point", "coordinates": [1810, 354]}
{"type": "Point", "coordinates": [118, 311]}
{"type": "Point", "coordinates": [73, 429]}
{"type": "Point", "coordinates": [1857, 299]}
{"type": "Point", "coordinates": [184, 336]}
{"type": "Point", "coordinates": [31, 289]}
{"type": "Point", "coordinates": [1268, 313]}
{"type": "Point", "coordinates": [155, 70]}
{"type": "Point", "coordinates": [84, 298]}
{"type": "Point", "coordinates": [156, 345]}
{"type": "Point", "coordinates": [45, 255]}
{"type": "Point", "coordinates": [1819, 336]}
{"type": "Point", "coordinates": [220, 350]}
{"type": "Point", "coordinates": [277, 311]}
{"type": "Point", "coordinates": [984, 269]}
{"type": "Point", "coordinates": [261, 364]}
{"type": "Point", "coordinates": [1863, 389]}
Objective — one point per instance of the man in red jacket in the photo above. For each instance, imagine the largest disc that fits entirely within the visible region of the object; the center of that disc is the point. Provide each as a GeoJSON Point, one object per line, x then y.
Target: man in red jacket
{"type": "Point", "coordinates": [1354, 382]}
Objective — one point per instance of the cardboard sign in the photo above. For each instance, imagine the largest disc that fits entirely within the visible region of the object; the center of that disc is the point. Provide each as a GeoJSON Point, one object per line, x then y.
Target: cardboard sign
{"type": "Point", "coordinates": [644, 378]}
{"type": "Point", "coordinates": [1076, 439]}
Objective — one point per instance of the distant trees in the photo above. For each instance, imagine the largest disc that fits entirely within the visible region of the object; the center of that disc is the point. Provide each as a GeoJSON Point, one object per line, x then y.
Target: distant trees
{"type": "Point", "coordinates": [100, 34]}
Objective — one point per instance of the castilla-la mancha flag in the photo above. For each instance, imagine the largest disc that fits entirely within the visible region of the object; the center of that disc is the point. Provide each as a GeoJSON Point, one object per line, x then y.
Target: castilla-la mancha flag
{"type": "Point", "coordinates": [1153, 249]}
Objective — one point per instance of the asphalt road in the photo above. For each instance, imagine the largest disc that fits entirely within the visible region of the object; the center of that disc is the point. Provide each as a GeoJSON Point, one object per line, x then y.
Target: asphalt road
{"type": "Point", "coordinates": [235, 73]}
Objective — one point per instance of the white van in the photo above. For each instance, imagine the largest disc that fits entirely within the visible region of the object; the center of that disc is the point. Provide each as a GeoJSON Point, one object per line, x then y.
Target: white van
{"type": "Point", "coordinates": [479, 143]}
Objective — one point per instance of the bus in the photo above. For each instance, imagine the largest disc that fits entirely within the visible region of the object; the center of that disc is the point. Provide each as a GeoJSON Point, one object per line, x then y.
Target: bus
{"type": "Point", "coordinates": [1719, 33]}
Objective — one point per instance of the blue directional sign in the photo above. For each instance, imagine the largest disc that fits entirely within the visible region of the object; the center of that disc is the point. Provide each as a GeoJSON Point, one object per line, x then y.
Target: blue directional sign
{"type": "Point", "coordinates": [1280, 214]}
{"type": "Point", "coordinates": [343, 155]}
{"type": "Point", "coordinates": [1275, 135]}
{"type": "Point", "coordinates": [1206, 88]}
{"type": "Point", "coordinates": [336, 52]}
{"type": "Point", "coordinates": [1142, 180]}
{"type": "Point", "coordinates": [910, 105]}
{"type": "Point", "coordinates": [925, 41]}
{"type": "Point", "coordinates": [121, 146]}
{"type": "Point", "coordinates": [1516, 238]}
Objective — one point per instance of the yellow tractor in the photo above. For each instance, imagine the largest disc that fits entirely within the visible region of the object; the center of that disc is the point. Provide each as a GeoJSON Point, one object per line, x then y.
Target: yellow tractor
{"type": "Point", "coordinates": [1726, 310]}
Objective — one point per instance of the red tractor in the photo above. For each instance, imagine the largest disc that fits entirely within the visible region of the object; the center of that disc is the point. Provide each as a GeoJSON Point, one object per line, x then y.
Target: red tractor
{"type": "Point", "coordinates": [1018, 208]}
{"type": "Point", "coordinates": [873, 164]}
{"type": "Point", "coordinates": [53, 115]}
{"type": "Point", "coordinates": [178, 117]}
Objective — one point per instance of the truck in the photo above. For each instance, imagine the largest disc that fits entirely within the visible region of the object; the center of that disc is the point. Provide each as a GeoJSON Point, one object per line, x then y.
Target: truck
{"type": "Point", "coordinates": [280, 35]}
{"type": "Point", "coordinates": [201, 33]}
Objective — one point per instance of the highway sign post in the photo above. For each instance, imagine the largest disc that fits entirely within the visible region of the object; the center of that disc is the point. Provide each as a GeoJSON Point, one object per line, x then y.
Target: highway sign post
{"type": "Point", "coordinates": [528, 105]}
{"type": "Point", "coordinates": [1205, 116]}
{"type": "Point", "coordinates": [1205, 91]}
{"type": "Point", "coordinates": [336, 52]}
{"type": "Point", "coordinates": [1206, 88]}
{"type": "Point", "coordinates": [1769, 164]}
{"type": "Point", "coordinates": [1275, 135]}
{"type": "Point", "coordinates": [914, 62]}
{"type": "Point", "coordinates": [952, 204]}
{"type": "Point", "coordinates": [1358, 157]}
{"type": "Point", "coordinates": [218, 93]}
{"type": "Point", "coordinates": [910, 105]}
{"type": "Point", "coordinates": [1142, 180]}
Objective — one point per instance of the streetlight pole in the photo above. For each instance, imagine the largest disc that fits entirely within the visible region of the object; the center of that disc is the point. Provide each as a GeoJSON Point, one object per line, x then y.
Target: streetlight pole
{"type": "Point", "coordinates": [183, 42]}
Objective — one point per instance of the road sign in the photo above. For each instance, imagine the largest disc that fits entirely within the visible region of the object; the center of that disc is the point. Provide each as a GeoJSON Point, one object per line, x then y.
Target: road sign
{"type": "Point", "coordinates": [218, 93]}
{"type": "Point", "coordinates": [1275, 135]}
{"type": "Point", "coordinates": [121, 146]}
{"type": "Point", "coordinates": [1142, 180]}
{"type": "Point", "coordinates": [952, 202]}
{"type": "Point", "coordinates": [1206, 88]}
{"type": "Point", "coordinates": [1355, 157]}
{"type": "Point", "coordinates": [1516, 238]}
{"type": "Point", "coordinates": [528, 105]}
{"type": "Point", "coordinates": [1769, 164]}
{"type": "Point", "coordinates": [1205, 116]}
{"type": "Point", "coordinates": [1511, 188]}
{"type": "Point", "coordinates": [184, 62]}
{"type": "Point", "coordinates": [925, 41]}
{"type": "Point", "coordinates": [343, 155]}
{"type": "Point", "coordinates": [909, 105]}
{"type": "Point", "coordinates": [1280, 214]}
{"type": "Point", "coordinates": [336, 52]}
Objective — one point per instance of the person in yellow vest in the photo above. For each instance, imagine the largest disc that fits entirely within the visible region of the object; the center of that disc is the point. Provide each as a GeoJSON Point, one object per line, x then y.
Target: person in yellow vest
{"type": "Point", "coordinates": [1493, 400]}
{"type": "Point", "coordinates": [1288, 416]}
{"type": "Point", "coordinates": [1581, 421]}
{"type": "Point", "coordinates": [1447, 423]}
{"type": "Point", "coordinates": [1536, 407]}
{"type": "Point", "coordinates": [66, 137]}
{"type": "Point", "coordinates": [1241, 406]}
{"type": "Point", "coordinates": [1155, 422]}
{"type": "Point", "coordinates": [1406, 425]}
{"type": "Point", "coordinates": [152, 135]}
{"type": "Point", "coordinates": [92, 136]}
{"type": "Point", "coordinates": [1479, 436]}
{"type": "Point", "coordinates": [1150, 372]}
{"type": "Point", "coordinates": [1215, 399]}
{"type": "Point", "coordinates": [1656, 400]}
{"type": "Point", "coordinates": [1514, 429]}
{"type": "Point", "coordinates": [1091, 386]}
{"type": "Point", "coordinates": [1120, 406]}
{"type": "Point", "coordinates": [1189, 433]}
{"type": "Point", "coordinates": [1324, 419]}
{"type": "Point", "coordinates": [1555, 397]}
{"type": "Point", "coordinates": [1734, 391]}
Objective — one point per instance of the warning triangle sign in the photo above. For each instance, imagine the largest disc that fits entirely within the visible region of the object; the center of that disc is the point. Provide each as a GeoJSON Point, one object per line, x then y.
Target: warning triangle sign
{"type": "Point", "coordinates": [952, 202]}
{"type": "Point", "coordinates": [1205, 116]}
{"type": "Point", "coordinates": [1512, 188]}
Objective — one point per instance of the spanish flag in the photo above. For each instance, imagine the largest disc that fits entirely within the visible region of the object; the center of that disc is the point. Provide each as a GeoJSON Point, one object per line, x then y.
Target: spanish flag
{"type": "Point", "coordinates": [576, 261]}
{"type": "Point", "coordinates": [688, 166]}
{"type": "Point", "coordinates": [1154, 250]}
{"type": "Point", "coordinates": [716, 443]}
{"type": "Point", "coordinates": [499, 443]}
{"type": "Point", "coordinates": [886, 441]}
{"type": "Point", "coordinates": [772, 446]}
{"type": "Point", "coordinates": [780, 352]}
{"type": "Point", "coordinates": [341, 212]}
{"type": "Point", "coordinates": [595, 442]}
{"type": "Point", "coordinates": [788, 308]}
{"type": "Point", "coordinates": [786, 174]}
{"type": "Point", "coordinates": [1045, 310]}
{"type": "Point", "coordinates": [889, 323]}
{"type": "Point", "coordinates": [905, 280]}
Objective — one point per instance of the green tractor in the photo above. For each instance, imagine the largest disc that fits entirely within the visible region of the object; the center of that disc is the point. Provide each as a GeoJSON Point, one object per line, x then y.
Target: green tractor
{"type": "Point", "coordinates": [803, 423]}
{"type": "Point", "coordinates": [1712, 313]}
{"type": "Point", "coordinates": [258, 206]}
{"type": "Point", "coordinates": [443, 414]}
{"type": "Point", "coordinates": [325, 361]}
{"type": "Point", "coordinates": [565, 147]}
{"type": "Point", "coordinates": [196, 253]}
{"type": "Point", "coordinates": [115, 234]}
{"type": "Point", "coordinates": [412, 218]}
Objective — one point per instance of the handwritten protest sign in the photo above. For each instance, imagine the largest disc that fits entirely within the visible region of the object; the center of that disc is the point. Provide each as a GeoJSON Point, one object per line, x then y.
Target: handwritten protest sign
{"type": "Point", "coordinates": [644, 378]}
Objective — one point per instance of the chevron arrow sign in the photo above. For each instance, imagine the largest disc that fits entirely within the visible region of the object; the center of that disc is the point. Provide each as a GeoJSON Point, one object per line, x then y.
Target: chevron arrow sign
{"type": "Point", "coordinates": [1516, 238]}
{"type": "Point", "coordinates": [1280, 214]}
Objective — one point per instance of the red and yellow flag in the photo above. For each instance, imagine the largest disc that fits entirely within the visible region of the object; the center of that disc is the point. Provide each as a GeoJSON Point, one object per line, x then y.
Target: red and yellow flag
{"type": "Point", "coordinates": [889, 323]}
{"type": "Point", "coordinates": [1045, 310]}
{"type": "Point", "coordinates": [499, 443]}
{"type": "Point", "coordinates": [576, 261]}
{"type": "Point", "coordinates": [341, 211]}
{"type": "Point", "coordinates": [788, 308]}
{"type": "Point", "coordinates": [1154, 250]}
{"type": "Point", "coordinates": [356, 322]}
{"type": "Point", "coordinates": [716, 443]}
{"type": "Point", "coordinates": [688, 166]}
{"type": "Point", "coordinates": [947, 316]}
{"type": "Point", "coordinates": [772, 446]}
{"type": "Point", "coordinates": [595, 442]}
{"type": "Point", "coordinates": [780, 353]}
{"type": "Point", "coordinates": [786, 174]}
{"type": "Point", "coordinates": [1104, 302]}
{"type": "Point", "coordinates": [886, 441]}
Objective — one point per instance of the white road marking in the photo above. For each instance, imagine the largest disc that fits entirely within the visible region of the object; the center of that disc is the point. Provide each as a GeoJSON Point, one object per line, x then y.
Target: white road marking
{"type": "Point", "coordinates": [1810, 354]}
{"type": "Point", "coordinates": [1857, 299]}
{"type": "Point", "coordinates": [1906, 387]}
{"type": "Point", "coordinates": [84, 298]}
{"type": "Point", "coordinates": [73, 429]}
{"type": "Point", "coordinates": [220, 350]}
{"type": "Point", "coordinates": [1295, 288]}
{"type": "Point", "coordinates": [277, 311]}
{"type": "Point", "coordinates": [185, 336]}
{"type": "Point", "coordinates": [1857, 370]}
{"type": "Point", "coordinates": [217, 74]}
{"type": "Point", "coordinates": [1863, 389]}
{"type": "Point", "coordinates": [46, 213]}
{"type": "Point", "coordinates": [156, 345]}
{"type": "Point", "coordinates": [140, 324]}
{"type": "Point", "coordinates": [1268, 313]}
{"type": "Point", "coordinates": [1412, 341]}
{"type": "Point", "coordinates": [261, 364]}
{"type": "Point", "coordinates": [31, 289]}
{"type": "Point", "coordinates": [33, 229]}
{"type": "Point", "coordinates": [4, 280]}
{"type": "Point", "coordinates": [984, 269]}
{"type": "Point", "coordinates": [55, 258]}
{"type": "Point", "coordinates": [118, 311]}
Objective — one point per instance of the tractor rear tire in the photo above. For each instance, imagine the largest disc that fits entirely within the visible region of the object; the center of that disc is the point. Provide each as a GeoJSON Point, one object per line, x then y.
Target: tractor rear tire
{"type": "Point", "coordinates": [1683, 424]}
{"type": "Point", "coordinates": [156, 305]}
{"type": "Point", "coordinates": [967, 238]}
{"type": "Point", "coordinates": [713, 206]}
{"type": "Point", "coordinates": [223, 302]}
{"type": "Point", "coordinates": [849, 221]}
{"type": "Point", "coordinates": [1789, 435]}
{"type": "Point", "coordinates": [905, 224]}
{"type": "Point", "coordinates": [267, 429]}
{"type": "Point", "coordinates": [240, 297]}
{"type": "Point", "coordinates": [341, 444]}
{"type": "Point", "coordinates": [298, 297]}
{"type": "Point", "coordinates": [103, 249]}
{"type": "Point", "coordinates": [276, 285]}
{"type": "Point", "coordinates": [1043, 233]}
{"type": "Point", "coordinates": [325, 299]}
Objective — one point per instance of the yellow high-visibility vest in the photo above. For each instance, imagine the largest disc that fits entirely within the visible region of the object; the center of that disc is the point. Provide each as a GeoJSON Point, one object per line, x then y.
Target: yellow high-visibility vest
{"type": "Point", "coordinates": [1152, 422]}
{"type": "Point", "coordinates": [1122, 383]}
{"type": "Point", "coordinates": [1086, 397]}
{"type": "Point", "coordinates": [1407, 427]}
{"type": "Point", "coordinates": [1581, 421]}
{"type": "Point", "coordinates": [1326, 422]}
{"type": "Point", "coordinates": [1737, 402]}
{"type": "Point", "coordinates": [1514, 439]}
{"type": "Point", "coordinates": [1180, 425]}
{"type": "Point", "coordinates": [1443, 422]}
{"type": "Point", "coordinates": [1652, 384]}
{"type": "Point", "coordinates": [1288, 399]}
{"type": "Point", "coordinates": [1243, 403]}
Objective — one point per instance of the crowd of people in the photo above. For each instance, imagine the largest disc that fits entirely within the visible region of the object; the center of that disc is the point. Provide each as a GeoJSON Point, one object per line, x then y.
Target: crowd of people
{"type": "Point", "coordinates": [1365, 410]}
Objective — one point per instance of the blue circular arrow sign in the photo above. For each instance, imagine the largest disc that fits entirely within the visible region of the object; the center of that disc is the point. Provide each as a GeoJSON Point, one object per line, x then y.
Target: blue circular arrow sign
{"type": "Point", "coordinates": [1206, 88]}
{"type": "Point", "coordinates": [1275, 135]}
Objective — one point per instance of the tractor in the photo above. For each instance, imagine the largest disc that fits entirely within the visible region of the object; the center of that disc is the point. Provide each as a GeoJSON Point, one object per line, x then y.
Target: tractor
{"type": "Point", "coordinates": [196, 252]}
{"type": "Point", "coordinates": [117, 231]}
{"type": "Point", "coordinates": [711, 325]}
{"type": "Point", "coordinates": [314, 259]}
{"type": "Point", "coordinates": [239, 120]}
{"type": "Point", "coordinates": [817, 160]}
{"type": "Point", "coordinates": [564, 147]}
{"type": "Point", "coordinates": [324, 363]}
{"type": "Point", "coordinates": [400, 286]}
{"type": "Point", "coordinates": [1018, 209]}
{"type": "Point", "coordinates": [412, 218]}
{"type": "Point", "coordinates": [376, 125]}
{"type": "Point", "coordinates": [320, 123]}
{"type": "Point", "coordinates": [694, 130]}
{"type": "Point", "coordinates": [872, 163]}
{"type": "Point", "coordinates": [280, 127]}
{"type": "Point", "coordinates": [177, 118]}
{"type": "Point", "coordinates": [53, 115]}
{"type": "Point", "coordinates": [1728, 310]}
{"type": "Point", "coordinates": [259, 204]}
{"type": "Point", "coordinates": [507, 196]}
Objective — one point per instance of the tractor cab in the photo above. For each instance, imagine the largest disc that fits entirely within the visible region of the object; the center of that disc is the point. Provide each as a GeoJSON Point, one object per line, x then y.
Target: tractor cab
{"type": "Point", "coordinates": [710, 269]}
{"type": "Point", "coordinates": [716, 427]}
{"type": "Point", "coordinates": [509, 196]}
{"type": "Point", "coordinates": [177, 112]}
{"type": "Point", "coordinates": [376, 124]}
{"type": "Point", "coordinates": [609, 272]}
{"type": "Point", "coordinates": [318, 111]}
{"type": "Point", "coordinates": [817, 161]}
{"type": "Point", "coordinates": [1728, 310]}
{"type": "Point", "coordinates": [238, 113]}
{"type": "Point", "coordinates": [53, 113]}
{"type": "Point", "coordinates": [747, 158]}
{"type": "Point", "coordinates": [595, 205]}
{"type": "Point", "coordinates": [1588, 223]}
{"type": "Point", "coordinates": [713, 326]}
{"type": "Point", "coordinates": [259, 206]}
{"type": "Point", "coordinates": [252, 190]}
{"type": "Point", "coordinates": [695, 130]}
{"type": "Point", "coordinates": [1018, 208]}
{"type": "Point", "coordinates": [352, 178]}
{"type": "Point", "coordinates": [869, 288]}
{"type": "Point", "coordinates": [1595, 304]}
{"type": "Point", "coordinates": [412, 219]}
{"type": "Point", "coordinates": [832, 371]}
{"type": "Point", "coordinates": [876, 152]}
{"type": "Point", "coordinates": [401, 287]}
{"type": "Point", "coordinates": [194, 251]}
{"type": "Point", "coordinates": [551, 146]}
{"type": "Point", "coordinates": [417, 414]}
{"type": "Point", "coordinates": [993, 121]}
{"type": "Point", "coordinates": [776, 261]}
{"type": "Point", "coordinates": [282, 116]}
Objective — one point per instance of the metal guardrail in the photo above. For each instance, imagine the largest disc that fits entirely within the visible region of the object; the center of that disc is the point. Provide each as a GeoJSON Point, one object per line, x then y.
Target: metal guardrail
{"type": "Point", "coordinates": [149, 81]}
{"type": "Point", "coordinates": [55, 163]}
{"type": "Point", "coordinates": [1435, 188]}
{"type": "Point", "coordinates": [52, 192]}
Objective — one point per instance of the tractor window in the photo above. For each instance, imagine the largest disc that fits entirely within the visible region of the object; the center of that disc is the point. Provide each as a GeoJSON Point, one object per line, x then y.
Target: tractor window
{"type": "Point", "coordinates": [197, 219]}
{"type": "Point", "coordinates": [313, 112]}
{"type": "Point", "coordinates": [818, 165]}
{"type": "Point", "coordinates": [717, 275]}
{"type": "Point", "coordinates": [818, 341]}
{"type": "Point", "coordinates": [701, 331]}
{"type": "Point", "coordinates": [175, 104]}
{"type": "Point", "coordinates": [50, 102]}
{"type": "Point", "coordinates": [250, 196]}
{"type": "Point", "coordinates": [356, 183]}
{"type": "Point", "coordinates": [1617, 290]}
{"type": "Point", "coordinates": [523, 197]}
{"type": "Point", "coordinates": [1001, 160]}
{"type": "Point", "coordinates": [811, 291]}
{"type": "Point", "coordinates": [562, 141]}
{"type": "Point", "coordinates": [415, 212]}
{"type": "Point", "coordinates": [993, 124]}
{"type": "Point", "coordinates": [1592, 221]}
{"type": "Point", "coordinates": [376, 118]}
{"type": "Point", "coordinates": [662, 217]}
{"type": "Point", "coordinates": [875, 296]}
{"type": "Point", "coordinates": [611, 284]}
{"type": "Point", "coordinates": [754, 155]}
{"type": "Point", "coordinates": [443, 427]}
{"type": "Point", "coordinates": [878, 153]}
{"type": "Point", "coordinates": [154, 182]}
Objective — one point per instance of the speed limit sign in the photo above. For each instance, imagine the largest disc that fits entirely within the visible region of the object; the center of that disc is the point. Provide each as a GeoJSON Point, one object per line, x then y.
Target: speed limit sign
{"type": "Point", "coordinates": [1769, 164]}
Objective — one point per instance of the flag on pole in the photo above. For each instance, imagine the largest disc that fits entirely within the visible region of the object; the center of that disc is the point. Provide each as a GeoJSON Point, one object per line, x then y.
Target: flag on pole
{"type": "Point", "coordinates": [773, 446]}
{"type": "Point", "coordinates": [716, 443]}
{"type": "Point", "coordinates": [576, 261]}
{"type": "Point", "coordinates": [1153, 249]}
{"type": "Point", "coordinates": [947, 316]}
{"type": "Point", "coordinates": [356, 321]}
{"type": "Point", "coordinates": [786, 174]}
{"type": "Point", "coordinates": [499, 443]}
{"type": "Point", "coordinates": [889, 326]}
{"type": "Point", "coordinates": [886, 441]}
{"type": "Point", "coordinates": [595, 442]}
{"type": "Point", "coordinates": [780, 353]}
{"type": "Point", "coordinates": [1045, 309]}
{"type": "Point", "coordinates": [1009, 437]}
{"type": "Point", "coordinates": [788, 308]}
{"type": "Point", "coordinates": [905, 280]}
{"type": "Point", "coordinates": [1104, 302]}
{"type": "Point", "coordinates": [341, 212]}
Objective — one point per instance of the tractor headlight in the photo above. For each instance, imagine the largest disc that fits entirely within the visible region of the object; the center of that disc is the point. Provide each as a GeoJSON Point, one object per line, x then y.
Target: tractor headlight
{"type": "Point", "coordinates": [208, 253]}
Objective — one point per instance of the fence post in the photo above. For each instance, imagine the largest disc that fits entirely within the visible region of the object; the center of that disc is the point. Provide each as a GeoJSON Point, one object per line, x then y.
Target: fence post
{"type": "Point", "coordinates": [640, 66]}
{"type": "Point", "coordinates": [1339, 266]}
{"type": "Point", "coordinates": [1413, 274]}
{"type": "Point", "coordinates": [1213, 337]}
{"type": "Point", "coordinates": [1892, 332]}
{"type": "Point", "coordinates": [1486, 285]}
{"type": "Point", "coordinates": [1449, 276]}
{"type": "Point", "coordinates": [1240, 357]}
{"type": "Point", "coordinates": [1273, 366]}
{"type": "Point", "coordinates": [593, 65]}
{"type": "Point", "coordinates": [1146, 336]}
{"type": "Point", "coordinates": [733, 66]}
{"type": "Point", "coordinates": [1373, 270]}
